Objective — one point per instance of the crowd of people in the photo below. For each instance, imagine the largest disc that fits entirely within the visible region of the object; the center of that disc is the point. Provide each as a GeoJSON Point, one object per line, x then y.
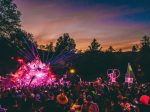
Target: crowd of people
{"type": "Point", "coordinates": [77, 96]}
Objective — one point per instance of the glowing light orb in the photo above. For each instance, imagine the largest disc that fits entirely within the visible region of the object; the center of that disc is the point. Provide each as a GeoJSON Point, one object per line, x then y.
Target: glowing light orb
{"type": "Point", "coordinates": [72, 71]}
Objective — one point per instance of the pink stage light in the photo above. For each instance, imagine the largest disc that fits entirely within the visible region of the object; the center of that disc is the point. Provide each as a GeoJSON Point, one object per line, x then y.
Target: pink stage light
{"type": "Point", "coordinates": [33, 73]}
{"type": "Point", "coordinates": [20, 60]}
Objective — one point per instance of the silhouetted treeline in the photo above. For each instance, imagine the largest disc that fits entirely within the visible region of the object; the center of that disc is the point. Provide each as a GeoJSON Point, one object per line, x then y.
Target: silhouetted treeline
{"type": "Point", "coordinates": [89, 64]}
{"type": "Point", "coordinates": [92, 63]}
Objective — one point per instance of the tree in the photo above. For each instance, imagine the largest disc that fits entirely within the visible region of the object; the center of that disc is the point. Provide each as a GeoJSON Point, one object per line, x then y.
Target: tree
{"type": "Point", "coordinates": [23, 43]}
{"type": "Point", "coordinates": [50, 50]}
{"type": "Point", "coordinates": [50, 47]}
{"type": "Point", "coordinates": [42, 47]}
{"type": "Point", "coordinates": [9, 18]}
{"type": "Point", "coordinates": [144, 56]}
{"type": "Point", "coordinates": [95, 46]}
{"type": "Point", "coordinates": [145, 43]}
{"type": "Point", "coordinates": [120, 50]}
{"type": "Point", "coordinates": [64, 44]}
{"type": "Point", "coordinates": [135, 48]}
{"type": "Point", "coordinates": [110, 49]}
{"type": "Point", "coordinates": [22, 39]}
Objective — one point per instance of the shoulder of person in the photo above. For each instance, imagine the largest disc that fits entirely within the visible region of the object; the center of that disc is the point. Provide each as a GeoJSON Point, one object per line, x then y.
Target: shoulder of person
{"type": "Point", "coordinates": [93, 103]}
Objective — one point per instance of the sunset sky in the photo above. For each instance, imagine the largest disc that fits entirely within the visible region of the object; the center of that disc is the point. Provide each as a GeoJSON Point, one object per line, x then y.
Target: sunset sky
{"type": "Point", "coordinates": [120, 23]}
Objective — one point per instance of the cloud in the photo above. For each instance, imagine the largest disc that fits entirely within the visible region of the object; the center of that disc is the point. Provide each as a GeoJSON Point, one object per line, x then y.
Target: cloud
{"type": "Point", "coordinates": [48, 20]}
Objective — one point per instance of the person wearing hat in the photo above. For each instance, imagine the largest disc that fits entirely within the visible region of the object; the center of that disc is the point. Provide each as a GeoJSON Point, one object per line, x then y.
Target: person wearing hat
{"type": "Point", "coordinates": [62, 102]}
{"type": "Point", "coordinates": [62, 98]}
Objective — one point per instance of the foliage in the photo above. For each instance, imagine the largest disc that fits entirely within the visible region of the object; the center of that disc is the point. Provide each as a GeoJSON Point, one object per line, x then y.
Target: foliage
{"type": "Point", "coordinates": [64, 44]}
{"type": "Point", "coordinates": [145, 44]}
{"type": "Point", "coordinates": [135, 48]}
{"type": "Point", "coordinates": [95, 46]}
{"type": "Point", "coordinates": [110, 49]}
{"type": "Point", "coordinates": [50, 47]}
{"type": "Point", "coordinates": [9, 18]}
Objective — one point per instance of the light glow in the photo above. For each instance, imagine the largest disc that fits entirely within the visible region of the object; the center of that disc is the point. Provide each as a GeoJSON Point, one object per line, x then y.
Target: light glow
{"type": "Point", "coordinates": [32, 73]}
{"type": "Point", "coordinates": [72, 71]}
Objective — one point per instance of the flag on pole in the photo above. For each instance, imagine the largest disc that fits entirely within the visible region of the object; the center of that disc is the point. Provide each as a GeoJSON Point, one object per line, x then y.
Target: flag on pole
{"type": "Point", "coordinates": [129, 77]}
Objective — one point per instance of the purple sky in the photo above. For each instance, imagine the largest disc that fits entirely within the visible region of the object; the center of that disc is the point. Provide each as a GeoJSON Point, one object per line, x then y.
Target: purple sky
{"type": "Point", "coordinates": [120, 24]}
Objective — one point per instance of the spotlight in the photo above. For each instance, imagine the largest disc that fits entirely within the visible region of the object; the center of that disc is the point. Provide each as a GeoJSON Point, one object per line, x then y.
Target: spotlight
{"type": "Point", "coordinates": [72, 71]}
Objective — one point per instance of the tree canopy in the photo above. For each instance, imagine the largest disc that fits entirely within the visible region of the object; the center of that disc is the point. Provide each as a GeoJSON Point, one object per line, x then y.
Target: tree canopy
{"type": "Point", "coordinates": [9, 18]}
{"type": "Point", "coordinates": [135, 48]}
{"type": "Point", "coordinates": [95, 46]}
{"type": "Point", "coordinates": [145, 44]}
{"type": "Point", "coordinates": [65, 44]}
{"type": "Point", "coordinates": [110, 49]}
